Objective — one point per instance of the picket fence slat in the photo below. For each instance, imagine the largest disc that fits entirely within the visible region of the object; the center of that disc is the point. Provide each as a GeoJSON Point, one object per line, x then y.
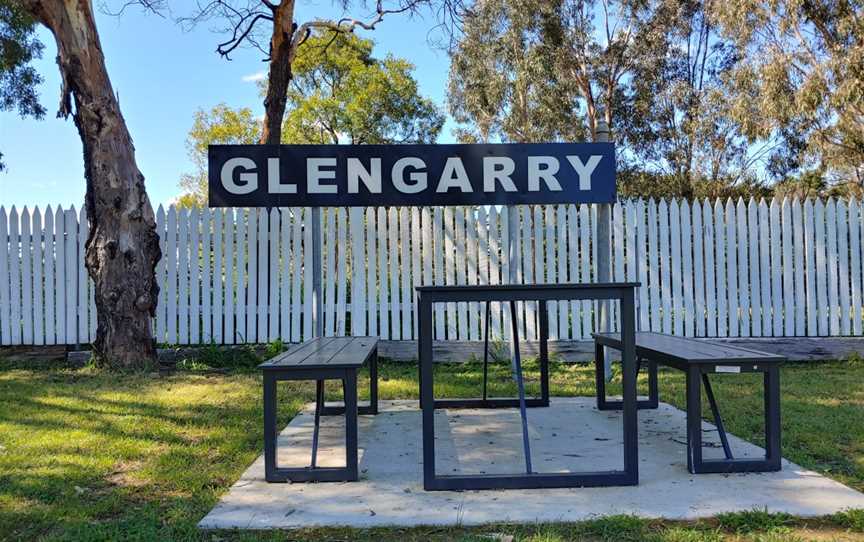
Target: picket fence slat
{"type": "Point", "coordinates": [416, 265]}
{"type": "Point", "coordinates": [405, 272]}
{"type": "Point", "coordinates": [15, 277]}
{"type": "Point", "coordinates": [843, 268]}
{"type": "Point", "coordinates": [755, 270]}
{"type": "Point", "coordinates": [788, 265]}
{"type": "Point", "coordinates": [765, 283]}
{"type": "Point", "coordinates": [231, 280]}
{"type": "Point", "coordinates": [707, 268]}
{"type": "Point", "coordinates": [371, 271]}
{"type": "Point", "coordinates": [743, 264]}
{"type": "Point", "coordinates": [854, 264]}
{"type": "Point", "coordinates": [732, 269]}
{"type": "Point", "coordinates": [5, 255]}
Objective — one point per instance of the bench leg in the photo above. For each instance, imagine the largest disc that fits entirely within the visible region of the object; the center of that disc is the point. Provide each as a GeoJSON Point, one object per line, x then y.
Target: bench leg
{"type": "Point", "coordinates": [270, 430]}
{"type": "Point", "coordinates": [349, 385]}
{"type": "Point", "coordinates": [373, 385]}
{"type": "Point", "coordinates": [319, 405]}
{"type": "Point", "coordinates": [771, 389]}
{"type": "Point", "coordinates": [694, 420]}
{"type": "Point", "coordinates": [653, 389]}
{"type": "Point", "coordinates": [696, 464]}
{"type": "Point", "coordinates": [600, 378]}
{"type": "Point", "coordinates": [312, 473]}
{"type": "Point", "coordinates": [653, 400]}
{"type": "Point", "coordinates": [718, 420]}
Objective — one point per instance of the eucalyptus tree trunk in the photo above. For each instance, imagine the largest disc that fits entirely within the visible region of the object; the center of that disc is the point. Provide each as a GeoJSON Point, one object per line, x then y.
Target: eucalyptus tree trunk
{"type": "Point", "coordinates": [279, 74]}
{"type": "Point", "coordinates": [123, 247]}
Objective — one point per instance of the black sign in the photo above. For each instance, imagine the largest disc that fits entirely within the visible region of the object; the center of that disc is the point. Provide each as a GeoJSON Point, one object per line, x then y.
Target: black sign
{"type": "Point", "coordinates": [382, 175]}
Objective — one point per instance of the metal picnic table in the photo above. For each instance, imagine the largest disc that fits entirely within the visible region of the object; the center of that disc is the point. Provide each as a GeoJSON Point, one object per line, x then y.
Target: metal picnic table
{"type": "Point", "coordinates": [427, 296]}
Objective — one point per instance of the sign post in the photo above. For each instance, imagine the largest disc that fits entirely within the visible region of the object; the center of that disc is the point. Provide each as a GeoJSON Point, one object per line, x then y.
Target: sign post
{"type": "Point", "coordinates": [604, 250]}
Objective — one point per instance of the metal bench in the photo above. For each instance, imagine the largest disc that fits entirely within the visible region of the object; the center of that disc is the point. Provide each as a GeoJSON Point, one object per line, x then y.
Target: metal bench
{"type": "Point", "coordinates": [698, 359]}
{"type": "Point", "coordinates": [326, 358]}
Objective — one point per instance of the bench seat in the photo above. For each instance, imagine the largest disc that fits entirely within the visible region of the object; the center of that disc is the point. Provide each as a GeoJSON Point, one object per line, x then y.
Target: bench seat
{"type": "Point", "coordinates": [698, 358]}
{"type": "Point", "coordinates": [320, 359]}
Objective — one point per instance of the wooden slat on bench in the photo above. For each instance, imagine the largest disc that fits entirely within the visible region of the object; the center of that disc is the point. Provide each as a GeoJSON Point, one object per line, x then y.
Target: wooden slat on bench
{"type": "Point", "coordinates": [326, 352]}
{"type": "Point", "coordinates": [358, 351]}
{"type": "Point", "coordinates": [303, 349]}
{"type": "Point", "coordinates": [690, 350]}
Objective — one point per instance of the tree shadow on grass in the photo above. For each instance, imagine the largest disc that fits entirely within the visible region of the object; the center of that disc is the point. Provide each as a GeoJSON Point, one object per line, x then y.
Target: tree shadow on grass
{"type": "Point", "coordinates": [65, 435]}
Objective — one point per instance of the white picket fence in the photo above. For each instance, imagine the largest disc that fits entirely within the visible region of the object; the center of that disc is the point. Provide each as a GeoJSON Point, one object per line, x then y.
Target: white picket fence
{"type": "Point", "coordinates": [711, 268]}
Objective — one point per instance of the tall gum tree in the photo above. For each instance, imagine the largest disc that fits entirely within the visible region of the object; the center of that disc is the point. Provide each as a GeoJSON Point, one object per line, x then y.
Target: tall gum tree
{"type": "Point", "coordinates": [270, 26]}
{"type": "Point", "coordinates": [123, 247]}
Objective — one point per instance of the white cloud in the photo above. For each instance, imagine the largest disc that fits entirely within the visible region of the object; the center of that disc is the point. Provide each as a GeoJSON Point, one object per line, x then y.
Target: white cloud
{"type": "Point", "coordinates": [254, 77]}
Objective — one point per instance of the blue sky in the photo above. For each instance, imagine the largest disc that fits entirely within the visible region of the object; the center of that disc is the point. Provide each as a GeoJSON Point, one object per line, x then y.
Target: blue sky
{"type": "Point", "coordinates": [162, 76]}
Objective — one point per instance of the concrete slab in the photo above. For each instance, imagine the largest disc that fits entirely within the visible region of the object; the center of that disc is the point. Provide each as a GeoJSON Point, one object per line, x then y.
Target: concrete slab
{"type": "Point", "coordinates": [570, 435]}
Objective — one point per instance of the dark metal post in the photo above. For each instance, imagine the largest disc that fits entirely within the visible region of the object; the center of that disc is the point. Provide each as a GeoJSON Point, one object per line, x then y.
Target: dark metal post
{"type": "Point", "coordinates": [350, 388]}
{"type": "Point", "coordinates": [628, 362]}
{"type": "Point", "coordinates": [319, 405]}
{"type": "Point", "coordinates": [520, 383]}
{"type": "Point", "coordinates": [486, 350]}
{"type": "Point", "coordinates": [600, 376]}
{"type": "Point", "coordinates": [270, 430]}
{"type": "Point", "coordinates": [694, 419]}
{"type": "Point", "coordinates": [544, 354]}
{"type": "Point", "coordinates": [771, 386]}
{"type": "Point", "coordinates": [373, 383]}
{"type": "Point", "coordinates": [427, 397]}
{"type": "Point", "coordinates": [715, 412]}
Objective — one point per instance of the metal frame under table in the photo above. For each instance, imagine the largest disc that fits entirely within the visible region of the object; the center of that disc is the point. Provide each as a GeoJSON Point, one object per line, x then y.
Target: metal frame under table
{"type": "Point", "coordinates": [427, 296]}
{"type": "Point", "coordinates": [699, 358]}
{"type": "Point", "coordinates": [320, 359]}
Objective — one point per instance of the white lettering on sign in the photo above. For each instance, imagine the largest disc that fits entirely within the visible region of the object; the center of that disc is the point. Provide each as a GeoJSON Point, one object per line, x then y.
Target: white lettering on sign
{"type": "Point", "coordinates": [419, 179]}
{"type": "Point", "coordinates": [543, 167]}
{"type": "Point", "coordinates": [274, 181]}
{"type": "Point", "coordinates": [454, 176]}
{"type": "Point", "coordinates": [314, 175]}
{"type": "Point", "coordinates": [498, 168]}
{"type": "Point", "coordinates": [371, 177]}
{"type": "Point", "coordinates": [249, 180]}
{"type": "Point", "coordinates": [584, 170]}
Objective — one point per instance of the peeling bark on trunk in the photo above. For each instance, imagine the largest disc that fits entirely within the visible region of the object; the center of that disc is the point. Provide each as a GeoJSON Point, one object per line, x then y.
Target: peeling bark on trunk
{"type": "Point", "coordinates": [123, 246]}
{"type": "Point", "coordinates": [279, 74]}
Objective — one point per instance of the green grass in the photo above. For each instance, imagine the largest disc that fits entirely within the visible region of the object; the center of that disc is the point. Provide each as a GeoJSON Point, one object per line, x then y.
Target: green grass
{"type": "Point", "coordinates": [92, 455]}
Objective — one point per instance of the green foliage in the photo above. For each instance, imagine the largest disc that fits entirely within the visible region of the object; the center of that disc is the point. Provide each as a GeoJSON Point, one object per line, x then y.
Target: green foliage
{"type": "Point", "coordinates": [754, 521]}
{"type": "Point", "coordinates": [503, 81]}
{"type": "Point", "coordinates": [850, 519]}
{"type": "Point", "coordinates": [801, 83]}
{"type": "Point", "coordinates": [18, 48]}
{"type": "Point", "coordinates": [704, 98]}
{"type": "Point", "coordinates": [339, 93]}
{"type": "Point", "coordinates": [221, 125]}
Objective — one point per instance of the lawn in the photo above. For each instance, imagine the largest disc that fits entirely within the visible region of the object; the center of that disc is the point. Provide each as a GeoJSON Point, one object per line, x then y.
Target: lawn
{"type": "Point", "coordinates": [90, 455]}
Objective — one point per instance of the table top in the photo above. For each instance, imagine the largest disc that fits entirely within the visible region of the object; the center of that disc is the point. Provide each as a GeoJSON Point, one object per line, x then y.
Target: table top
{"type": "Point", "coordinates": [528, 287]}
{"type": "Point", "coordinates": [689, 350]}
{"type": "Point", "coordinates": [324, 353]}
